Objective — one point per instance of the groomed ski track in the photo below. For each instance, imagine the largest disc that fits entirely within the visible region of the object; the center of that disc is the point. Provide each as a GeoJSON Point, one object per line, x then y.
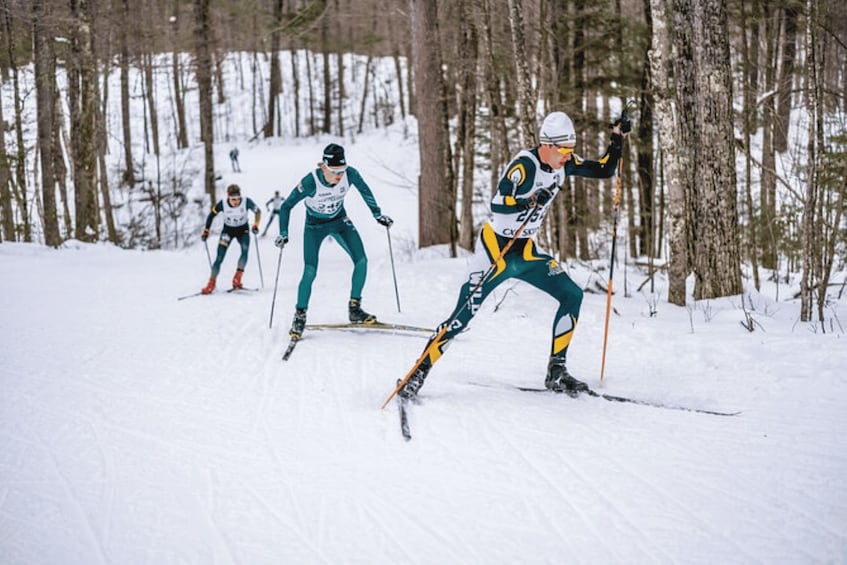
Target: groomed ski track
{"type": "Point", "coordinates": [184, 431]}
{"type": "Point", "coordinates": [135, 428]}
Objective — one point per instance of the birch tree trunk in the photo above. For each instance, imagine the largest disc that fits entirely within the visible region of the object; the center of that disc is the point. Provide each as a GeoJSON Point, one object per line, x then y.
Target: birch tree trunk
{"type": "Point", "coordinates": [661, 57]}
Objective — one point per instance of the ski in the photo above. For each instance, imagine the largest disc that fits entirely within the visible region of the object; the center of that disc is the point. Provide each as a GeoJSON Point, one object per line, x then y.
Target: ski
{"type": "Point", "coordinates": [384, 326]}
{"type": "Point", "coordinates": [613, 398]}
{"type": "Point", "coordinates": [402, 405]}
{"type": "Point", "coordinates": [290, 349]}
{"type": "Point", "coordinates": [201, 292]}
{"type": "Point", "coordinates": [624, 399]}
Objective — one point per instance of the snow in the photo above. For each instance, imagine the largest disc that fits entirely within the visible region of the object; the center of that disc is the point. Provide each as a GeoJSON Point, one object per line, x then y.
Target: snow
{"type": "Point", "coordinates": [135, 428]}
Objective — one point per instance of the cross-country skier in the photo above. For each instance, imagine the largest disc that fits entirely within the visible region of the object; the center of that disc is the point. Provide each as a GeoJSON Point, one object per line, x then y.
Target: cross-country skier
{"type": "Point", "coordinates": [276, 202]}
{"type": "Point", "coordinates": [323, 191]}
{"type": "Point", "coordinates": [523, 197]}
{"type": "Point", "coordinates": [234, 209]}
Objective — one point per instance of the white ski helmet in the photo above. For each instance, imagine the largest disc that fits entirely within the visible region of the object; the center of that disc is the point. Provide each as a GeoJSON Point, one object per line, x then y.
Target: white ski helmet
{"type": "Point", "coordinates": [557, 129]}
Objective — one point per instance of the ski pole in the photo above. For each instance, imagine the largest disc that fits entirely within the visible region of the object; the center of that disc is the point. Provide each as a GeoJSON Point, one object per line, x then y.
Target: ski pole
{"type": "Point", "coordinates": [615, 216]}
{"type": "Point", "coordinates": [446, 325]}
{"type": "Point", "coordinates": [208, 255]}
{"type": "Point", "coordinates": [259, 260]}
{"type": "Point", "coordinates": [276, 283]}
{"type": "Point", "coordinates": [393, 272]}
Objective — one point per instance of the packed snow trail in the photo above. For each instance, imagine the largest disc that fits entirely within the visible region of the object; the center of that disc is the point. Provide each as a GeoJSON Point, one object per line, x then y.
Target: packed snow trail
{"type": "Point", "coordinates": [136, 428]}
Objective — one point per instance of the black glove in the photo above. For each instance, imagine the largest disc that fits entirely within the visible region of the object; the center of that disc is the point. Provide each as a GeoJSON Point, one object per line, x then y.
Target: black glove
{"type": "Point", "coordinates": [204, 235]}
{"type": "Point", "coordinates": [385, 220]}
{"type": "Point", "coordinates": [624, 122]}
{"type": "Point", "coordinates": [281, 240]}
{"type": "Point", "coordinates": [540, 197]}
{"type": "Point", "coordinates": [255, 229]}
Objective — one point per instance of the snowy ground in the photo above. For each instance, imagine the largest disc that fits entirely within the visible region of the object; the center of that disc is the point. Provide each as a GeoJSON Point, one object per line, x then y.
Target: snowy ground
{"type": "Point", "coordinates": [135, 428]}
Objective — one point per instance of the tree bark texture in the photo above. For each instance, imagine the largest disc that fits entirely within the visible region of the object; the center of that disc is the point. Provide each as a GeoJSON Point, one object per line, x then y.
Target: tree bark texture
{"type": "Point", "coordinates": [45, 87]}
{"type": "Point", "coordinates": [203, 70]}
{"type": "Point", "coordinates": [436, 195]}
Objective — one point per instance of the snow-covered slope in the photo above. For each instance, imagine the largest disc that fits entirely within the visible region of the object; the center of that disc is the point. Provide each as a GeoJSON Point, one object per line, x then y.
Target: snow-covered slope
{"type": "Point", "coordinates": [135, 428]}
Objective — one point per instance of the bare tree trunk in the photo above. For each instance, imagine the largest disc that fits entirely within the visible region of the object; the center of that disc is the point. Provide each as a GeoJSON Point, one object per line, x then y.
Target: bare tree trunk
{"type": "Point", "coordinates": [466, 131]}
{"type": "Point", "coordinates": [327, 80]}
{"type": "Point", "coordinates": [178, 97]}
{"type": "Point", "coordinates": [364, 94]}
{"type": "Point", "coordinates": [436, 195]}
{"type": "Point", "coordinates": [85, 148]}
{"type": "Point", "coordinates": [18, 186]}
{"type": "Point", "coordinates": [767, 193]}
{"type": "Point", "coordinates": [60, 171]}
{"type": "Point", "coordinates": [749, 113]}
{"type": "Point", "coordinates": [646, 157]}
{"type": "Point", "coordinates": [126, 122]}
{"type": "Point", "coordinates": [275, 83]}
{"type": "Point", "coordinates": [203, 66]}
{"type": "Point", "coordinates": [7, 217]}
{"type": "Point", "coordinates": [398, 68]}
{"type": "Point", "coordinates": [579, 217]}
{"type": "Point", "coordinates": [704, 94]}
{"type": "Point", "coordinates": [295, 79]}
{"type": "Point", "coordinates": [661, 56]}
{"type": "Point", "coordinates": [786, 77]}
{"type": "Point", "coordinates": [150, 95]}
{"type": "Point", "coordinates": [811, 242]}
{"type": "Point", "coordinates": [45, 87]}
{"type": "Point", "coordinates": [500, 152]}
{"type": "Point", "coordinates": [339, 58]}
{"type": "Point", "coordinates": [179, 102]}
{"type": "Point", "coordinates": [526, 94]}
{"type": "Point", "coordinates": [313, 123]}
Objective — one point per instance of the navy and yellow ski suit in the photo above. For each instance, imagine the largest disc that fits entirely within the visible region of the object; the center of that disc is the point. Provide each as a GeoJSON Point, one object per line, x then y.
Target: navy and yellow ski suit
{"type": "Point", "coordinates": [511, 208]}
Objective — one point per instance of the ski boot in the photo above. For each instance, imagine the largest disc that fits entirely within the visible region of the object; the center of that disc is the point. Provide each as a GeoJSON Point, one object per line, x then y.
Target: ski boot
{"type": "Point", "coordinates": [210, 286]}
{"type": "Point", "coordinates": [415, 382]}
{"type": "Point", "coordinates": [559, 380]}
{"type": "Point", "coordinates": [298, 324]}
{"type": "Point", "coordinates": [236, 280]}
{"type": "Point", "coordinates": [357, 315]}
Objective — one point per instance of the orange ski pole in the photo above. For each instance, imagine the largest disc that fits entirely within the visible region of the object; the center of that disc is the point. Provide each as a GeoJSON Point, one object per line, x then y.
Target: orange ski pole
{"type": "Point", "coordinates": [615, 216]}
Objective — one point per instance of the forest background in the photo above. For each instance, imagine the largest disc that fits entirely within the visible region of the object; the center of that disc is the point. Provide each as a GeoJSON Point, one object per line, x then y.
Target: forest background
{"type": "Point", "coordinates": [738, 156]}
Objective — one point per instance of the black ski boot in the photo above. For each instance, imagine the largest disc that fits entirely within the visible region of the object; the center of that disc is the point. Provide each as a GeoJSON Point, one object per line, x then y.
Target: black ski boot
{"type": "Point", "coordinates": [357, 315]}
{"type": "Point", "coordinates": [415, 382]}
{"type": "Point", "coordinates": [298, 324]}
{"type": "Point", "coordinates": [559, 380]}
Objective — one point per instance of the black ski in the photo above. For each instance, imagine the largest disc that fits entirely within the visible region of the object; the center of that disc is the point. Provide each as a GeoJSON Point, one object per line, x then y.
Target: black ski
{"type": "Point", "coordinates": [201, 292]}
{"type": "Point", "coordinates": [613, 398]}
{"type": "Point", "coordinates": [402, 405]}
{"type": "Point", "coordinates": [372, 326]}
{"type": "Point", "coordinates": [290, 349]}
{"type": "Point", "coordinates": [626, 399]}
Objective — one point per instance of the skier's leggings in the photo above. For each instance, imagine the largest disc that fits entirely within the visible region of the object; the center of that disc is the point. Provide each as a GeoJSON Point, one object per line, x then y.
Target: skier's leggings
{"type": "Point", "coordinates": [522, 262]}
{"type": "Point", "coordinates": [344, 232]}
{"type": "Point", "coordinates": [228, 234]}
